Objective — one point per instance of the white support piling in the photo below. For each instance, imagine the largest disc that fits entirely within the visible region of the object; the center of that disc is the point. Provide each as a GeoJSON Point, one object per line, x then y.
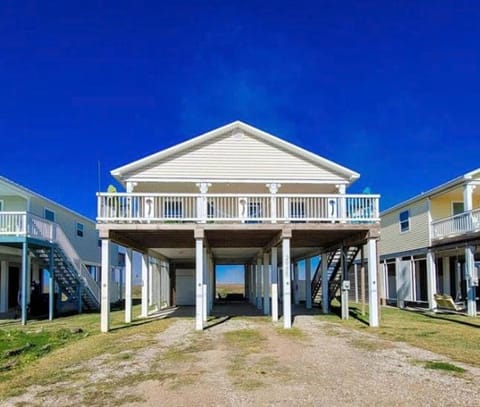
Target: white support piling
{"type": "Point", "coordinates": [372, 283]}
{"type": "Point", "coordinates": [145, 288]}
{"type": "Point", "coordinates": [258, 287]}
{"type": "Point", "coordinates": [431, 280]}
{"type": "Point", "coordinates": [274, 284]}
{"type": "Point", "coordinates": [287, 298]}
{"type": "Point", "coordinates": [266, 284]}
{"type": "Point", "coordinates": [472, 280]}
{"type": "Point", "coordinates": [128, 285]}
{"type": "Point", "coordinates": [105, 288]}
{"type": "Point", "coordinates": [199, 284]}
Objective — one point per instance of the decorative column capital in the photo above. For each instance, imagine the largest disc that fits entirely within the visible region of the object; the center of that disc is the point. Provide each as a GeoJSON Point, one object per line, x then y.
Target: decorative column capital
{"type": "Point", "coordinates": [203, 187]}
{"type": "Point", "coordinates": [273, 187]}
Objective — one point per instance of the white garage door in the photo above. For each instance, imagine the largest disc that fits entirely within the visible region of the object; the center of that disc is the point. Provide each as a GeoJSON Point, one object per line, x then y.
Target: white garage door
{"type": "Point", "coordinates": [185, 285]}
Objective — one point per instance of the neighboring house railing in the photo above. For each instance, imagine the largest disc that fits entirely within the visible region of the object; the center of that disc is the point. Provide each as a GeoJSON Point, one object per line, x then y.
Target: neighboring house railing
{"type": "Point", "coordinates": [244, 208]}
{"type": "Point", "coordinates": [466, 222]}
{"type": "Point", "coordinates": [26, 224]}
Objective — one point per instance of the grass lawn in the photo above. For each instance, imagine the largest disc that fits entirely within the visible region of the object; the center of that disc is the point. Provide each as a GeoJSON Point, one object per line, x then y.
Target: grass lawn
{"type": "Point", "coordinates": [455, 336]}
{"type": "Point", "coordinates": [44, 352]}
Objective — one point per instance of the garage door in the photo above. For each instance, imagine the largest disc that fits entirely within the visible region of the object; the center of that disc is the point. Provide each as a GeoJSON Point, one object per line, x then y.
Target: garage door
{"type": "Point", "coordinates": [185, 287]}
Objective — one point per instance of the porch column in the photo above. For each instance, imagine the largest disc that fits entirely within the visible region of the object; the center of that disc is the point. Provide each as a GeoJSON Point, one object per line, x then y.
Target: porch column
{"type": "Point", "coordinates": [105, 287]}
{"type": "Point", "coordinates": [468, 197]}
{"type": "Point", "coordinates": [355, 276]}
{"type": "Point", "coordinates": [151, 271]}
{"type": "Point", "coordinates": [251, 294]}
{"type": "Point", "coordinates": [128, 285]}
{"type": "Point", "coordinates": [344, 291]}
{"type": "Point", "coordinates": [372, 283]}
{"type": "Point", "coordinates": [431, 280]}
{"type": "Point", "coordinates": [273, 188]}
{"type": "Point", "coordinates": [274, 255]}
{"type": "Point", "coordinates": [308, 283]}
{"type": "Point", "coordinates": [51, 285]}
{"type": "Point", "coordinates": [446, 275]}
{"type": "Point", "coordinates": [472, 280]}
{"type": "Point", "coordinates": [287, 299]}
{"type": "Point", "coordinates": [204, 286]}
{"type": "Point", "coordinates": [199, 282]}
{"type": "Point", "coordinates": [258, 288]}
{"type": "Point", "coordinates": [25, 279]}
{"type": "Point", "coordinates": [4, 286]}
{"type": "Point", "coordinates": [324, 268]}
{"type": "Point", "coordinates": [145, 289]}
{"type": "Point", "coordinates": [296, 291]}
{"type": "Point", "coordinates": [266, 284]}
{"type": "Point", "coordinates": [202, 201]}
{"type": "Point", "coordinates": [342, 210]}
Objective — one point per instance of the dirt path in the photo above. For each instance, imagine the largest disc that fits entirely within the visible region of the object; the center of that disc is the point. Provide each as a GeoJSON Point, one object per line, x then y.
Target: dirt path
{"type": "Point", "coordinates": [317, 363]}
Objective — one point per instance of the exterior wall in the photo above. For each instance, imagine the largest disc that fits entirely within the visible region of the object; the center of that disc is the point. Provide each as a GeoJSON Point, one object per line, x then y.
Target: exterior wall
{"type": "Point", "coordinates": [394, 241]}
{"type": "Point", "coordinates": [87, 246]}
{"type": "Point", "coordinates": [233, 157]}
{"type": "Point", "coordinates": [441, 206]}
{"type": "Point", "coordinates": [13, 203]}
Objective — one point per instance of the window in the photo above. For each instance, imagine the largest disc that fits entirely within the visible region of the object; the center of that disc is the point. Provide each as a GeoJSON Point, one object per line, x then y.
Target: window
{"type": "Point", "coordinates": [457, 208]}
{"type": "Point", "coordinates": [79, 229]}
{"type": "Point", "coordinates": [49, 215]}
{"type": "Point", "coordinates": [1, 205]}
{"type": "Point", "coordinates": [404, 221]}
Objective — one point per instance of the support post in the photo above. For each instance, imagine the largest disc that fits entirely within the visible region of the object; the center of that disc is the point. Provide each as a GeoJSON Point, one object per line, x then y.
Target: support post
{"type": "Point", "coordinates": [472, 280]}
{"type": "Point", "coordinates": [145, 288]}
{"type": "Point", "coordinates": [199, 284]}
{"type": "Point", "coordinates": [308, 283]}
{"type": "Point", "coordinates": [258, 272]}
{"type": "Point", "coordinates": [296, 291]}
{"type": "Point", "coordinates": [204, 287]}
{"type": "Point", "coordinates": [372, 283]}
{"type": "Point", "coordinates": [446, 275]}
{"type": "Point", "coordinates": [128, 285]}
{"type": "Point", "coordinates": [324, 267]}
{"type": "Point", "coordinates": [355, 274]}
{"type": "Point", "coordinates": [51, 285]}
{"type": "Point", "coordinates": [266, 284]}
{"type": "Point", "coordinates": [274, 255]}
{"type": "Point", "coordinates": [105, 295]}
{"type": "Point", "coordinates": [25, 279]}
{"type": "Point", "coordinates": [431, 280]}
{"type": "Point", "coordinates": [4, 286]}
{"type": "Point", "coordinates": [362, 278]}
{"type": "Point", "coordinates": [344, 290]}
{"type": "Point", "coordinates": [287, 296]}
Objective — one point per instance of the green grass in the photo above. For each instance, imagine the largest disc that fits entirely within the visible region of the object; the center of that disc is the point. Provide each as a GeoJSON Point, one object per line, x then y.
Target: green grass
{"type": "Point", "coordinates": [454, 336]}
{"type": "Point", "coordinates": [444, 366]}
{"type": "Point", "coordinates": [46, 352]}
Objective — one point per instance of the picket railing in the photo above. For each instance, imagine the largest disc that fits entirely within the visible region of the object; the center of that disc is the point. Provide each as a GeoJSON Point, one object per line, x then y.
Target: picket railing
{"type": "Point", "coordinates": [466, 222]}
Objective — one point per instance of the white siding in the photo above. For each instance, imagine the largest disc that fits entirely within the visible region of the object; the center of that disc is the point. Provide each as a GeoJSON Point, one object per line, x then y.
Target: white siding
{"type": "Point", "coordinates": [13, 203]}
{"type": "Point", "coordinates": [393, 241]}
{"type": "Point", "coordinates": [231, 157]}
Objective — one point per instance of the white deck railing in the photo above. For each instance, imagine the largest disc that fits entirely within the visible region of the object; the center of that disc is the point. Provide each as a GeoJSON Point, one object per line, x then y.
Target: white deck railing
{"type": "Point", "coordinates": [150, 208]}
{"type": "Point", "coordinates": [28, 225]}
{"type": "Point", "coordinates": [466, 222]}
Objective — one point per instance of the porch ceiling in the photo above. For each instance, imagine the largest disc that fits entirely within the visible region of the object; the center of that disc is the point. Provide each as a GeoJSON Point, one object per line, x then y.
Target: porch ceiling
{"type": "Point", "coordinates": [235, 243]}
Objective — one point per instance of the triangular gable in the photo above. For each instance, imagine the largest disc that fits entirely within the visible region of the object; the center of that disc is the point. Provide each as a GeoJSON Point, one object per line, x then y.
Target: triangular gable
{"type": "Point", "coordinates": [235, 152]}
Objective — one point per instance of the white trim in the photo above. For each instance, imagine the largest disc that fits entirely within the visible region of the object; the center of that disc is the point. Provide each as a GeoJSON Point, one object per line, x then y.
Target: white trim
{"type": "Point", "coordinates": [234, 126]}
{"type": "Point", "coordinates": [238, 181]}
{"type": "Point", "coordinates": [45, 209]}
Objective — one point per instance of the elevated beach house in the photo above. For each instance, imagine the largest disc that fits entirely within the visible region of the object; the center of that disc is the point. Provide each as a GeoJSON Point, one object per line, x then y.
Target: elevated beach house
{"type": "Point", "coordinates": [49, 255]}
{"type": "Point", "coordinates": [238, 195]}
{"type": "Point", "coordinates": [430, 245]}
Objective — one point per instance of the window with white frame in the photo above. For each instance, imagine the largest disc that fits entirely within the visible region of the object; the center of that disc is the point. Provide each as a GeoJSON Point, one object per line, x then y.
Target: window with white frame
{"type": "Point", "coordinates": [79, 228]}
{"type": "Point", "coordinates": [49, 215]}
{"type": "Point", "coordinates": [404, 219]}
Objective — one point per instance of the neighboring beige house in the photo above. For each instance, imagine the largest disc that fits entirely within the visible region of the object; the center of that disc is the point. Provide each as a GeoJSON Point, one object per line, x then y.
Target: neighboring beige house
{"type": "Point", "coordinates": [237, 195]}
{"type": "Point", "coordinates": [429, 245]}
{"type": "Point", "coordinates": [45, 244]}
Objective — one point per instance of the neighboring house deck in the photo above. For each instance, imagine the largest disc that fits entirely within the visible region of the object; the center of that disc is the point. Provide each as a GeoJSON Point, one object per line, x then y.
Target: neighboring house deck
{"type": "Point", "coordinates": [49, 254]}
{"type": "Point", "coordinates": [429, 245]}
{"type": "Point", "coordinates": [238, 195]}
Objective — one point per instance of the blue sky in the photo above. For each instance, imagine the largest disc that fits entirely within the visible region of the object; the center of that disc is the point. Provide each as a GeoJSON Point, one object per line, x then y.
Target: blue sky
{"type": "Point", "coordinates": [389, 89]}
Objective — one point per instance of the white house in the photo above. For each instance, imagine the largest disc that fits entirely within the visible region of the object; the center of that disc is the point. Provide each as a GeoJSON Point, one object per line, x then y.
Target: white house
{"type": "Point", "coordinates": [47, 244]}
{"type": "Point", "coordinates": [429, 245]}
{"type": "Point", "coordinates": [238, 195]}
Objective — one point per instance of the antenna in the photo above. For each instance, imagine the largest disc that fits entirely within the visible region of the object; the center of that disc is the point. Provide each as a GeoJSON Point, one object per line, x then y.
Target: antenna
{"type": "Point", "coordinates": [98, 174]}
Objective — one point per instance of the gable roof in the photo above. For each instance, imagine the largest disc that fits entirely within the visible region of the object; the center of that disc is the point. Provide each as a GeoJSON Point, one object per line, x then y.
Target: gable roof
{"type": "Point", "coordinates": [121, 172]}
{"type": "Point", "coordinates": [453, 183]}
{"type": "Point", "coordinates": [26, 193]}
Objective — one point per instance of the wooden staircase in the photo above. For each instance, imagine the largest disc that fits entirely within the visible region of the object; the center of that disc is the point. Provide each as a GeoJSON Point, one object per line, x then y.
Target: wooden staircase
{"type": "Point", "coordinates": [334, 273]}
